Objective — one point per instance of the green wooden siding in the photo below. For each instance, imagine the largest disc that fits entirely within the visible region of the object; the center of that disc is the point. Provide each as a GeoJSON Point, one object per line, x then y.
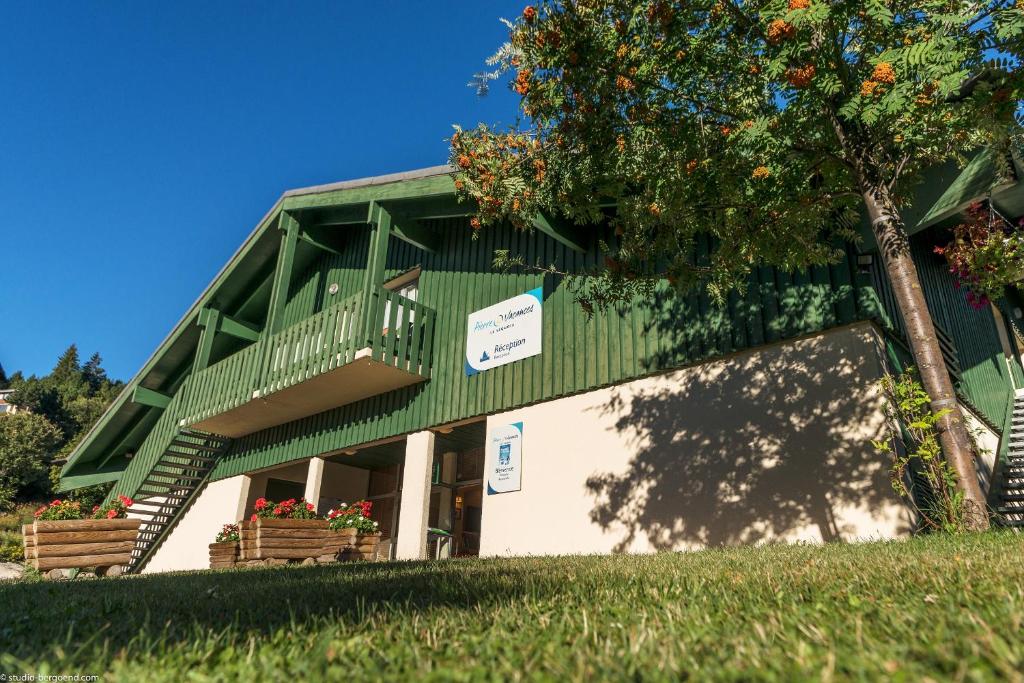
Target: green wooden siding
{"type": "Point", "coordinates": [986, 384]}
{"type": "Point", "coordinates": [580, 352]}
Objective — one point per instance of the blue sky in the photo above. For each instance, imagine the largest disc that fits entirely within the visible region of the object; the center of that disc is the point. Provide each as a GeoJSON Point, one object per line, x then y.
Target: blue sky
{"type": "Point", "coordinates": [141, 142]}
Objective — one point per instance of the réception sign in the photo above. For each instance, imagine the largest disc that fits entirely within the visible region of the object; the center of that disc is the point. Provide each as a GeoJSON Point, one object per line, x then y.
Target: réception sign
{"type": "Point", "coordinates": [505, 332]}
{"type": "Point", "coordinates": [505, 458]}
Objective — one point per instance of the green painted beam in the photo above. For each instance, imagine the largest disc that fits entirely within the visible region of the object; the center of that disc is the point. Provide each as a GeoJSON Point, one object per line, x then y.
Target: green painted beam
{"type": "Point", "coordinates": [209, 318]}
{"type": "Point", "coordinates": [402, 189]}
{"type": "Point", "coordinates": [561, 231]}
{"type": "Point", "coordinates": [238, 328]}
{"type": "Point", "coordinates": [408, 229]}
{"type": "Point", "coordinates": [309, 239]}
{"type": "Point", "coordinates": [283, 273]}
{"type": "Point", "coordinates": [148, 397]}
{"type": "Point", "coordinates": [373, 277]}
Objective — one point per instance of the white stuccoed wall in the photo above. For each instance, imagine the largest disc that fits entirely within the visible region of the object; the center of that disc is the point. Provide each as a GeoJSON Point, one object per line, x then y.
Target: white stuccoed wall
{"type": "Point", "coordinates": [767, 445]}
{"type": "Point", "coordinates": [186, 547]}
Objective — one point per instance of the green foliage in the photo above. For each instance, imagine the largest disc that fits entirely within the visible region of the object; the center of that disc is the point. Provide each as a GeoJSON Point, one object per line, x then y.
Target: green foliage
{"type": "Point", "coordinates": [355, 516]}
{"type": "Point", "coordinates": [57, 411]}
{"type": "Point", "coordinates": [933, 608]}
{"type": "Point", "coordinates": [60, 510]}
{"type": "Point", "coordinates": [27, 442]}
{"type": "Point", "coordinates": [986, 255]}
{"type": "Point", "coordinates": [913, 445]}
{"type": "Point", "coordinates": [229, 532]}
{"type": "Point", "coordinates": [759, 123]}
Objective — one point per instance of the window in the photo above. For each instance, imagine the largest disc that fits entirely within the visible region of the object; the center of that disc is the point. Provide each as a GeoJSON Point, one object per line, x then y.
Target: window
{"type": "Point", "coordinates": [406, 285]}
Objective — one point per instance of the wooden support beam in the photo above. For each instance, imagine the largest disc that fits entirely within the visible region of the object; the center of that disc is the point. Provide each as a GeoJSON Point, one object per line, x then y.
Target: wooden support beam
{"type": "Point", "coordinates": [407, 228]}
{"type": "Point", "coordinates": [309, 239]}
{"type": "Point", "coordinates": [238, 328]}
{"type": "Point", "coordinates": [209, 318]}
{"type": "Point", "coordinates": [148, 397]}
{"type": "Point", "coordinates": [373, 277]}
{"type": "Point", "coordinates": [283, 274]}
{"type": "Point", "coordinates": [561, 230]}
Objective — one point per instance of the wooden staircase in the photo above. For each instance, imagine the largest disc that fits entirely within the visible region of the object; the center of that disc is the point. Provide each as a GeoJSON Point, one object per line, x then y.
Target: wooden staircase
{"type": "Point", "coordinates": [1011, 489]}
{"type": "Point", "coordinates": [170, 488]}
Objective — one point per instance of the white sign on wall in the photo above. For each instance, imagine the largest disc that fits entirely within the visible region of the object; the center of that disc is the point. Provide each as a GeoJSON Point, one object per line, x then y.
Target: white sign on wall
{"type": "Point", "coordinates": [505, 458]}
{"type": "Point", "coordinates": [505, 332]}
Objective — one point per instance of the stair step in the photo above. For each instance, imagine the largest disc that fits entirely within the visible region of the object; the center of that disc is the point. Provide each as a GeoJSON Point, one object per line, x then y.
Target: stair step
{"type": "Point", "coordinates": [1016, 497]}
{"type": "Point", "coordinates": [146, 493]}
{"type": "Point", "coordinates": [180, 466]}
{"type": "Point", "coordinates": [189, 456]}
{"type": "Point", "coordinates": [197, 446]}
{"type": "Point", "coordinates": [172, 475]}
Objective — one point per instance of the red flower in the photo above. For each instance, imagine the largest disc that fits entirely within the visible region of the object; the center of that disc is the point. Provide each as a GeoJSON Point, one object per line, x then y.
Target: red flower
{"type": "Point", "coordinates": [95, 508]}
{"type": "Point", "coordinates": [309, 506]}
{"type": "Point", "coordinates": [56, 502]}
{"type": "Point", "coordinates": [261, 503]}
{"type": "Point", "coordinates": [529, 13]}
{"type": "Point", "coordinates": [253, 518]}
{"type": "Point", "coordinates": [40, 511]}
{"type": "Point", "coordinates": [111, 514]}
{"type": "Point", "coordinates": [277, 510]}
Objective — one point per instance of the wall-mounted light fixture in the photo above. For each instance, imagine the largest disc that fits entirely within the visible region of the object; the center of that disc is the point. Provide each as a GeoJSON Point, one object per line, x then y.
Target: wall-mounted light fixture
{"type": "Point", "coordinates": [333, 288]}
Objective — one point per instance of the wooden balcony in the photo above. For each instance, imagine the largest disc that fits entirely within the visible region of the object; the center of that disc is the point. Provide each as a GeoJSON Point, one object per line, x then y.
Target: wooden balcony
{"type": "Point", "coordinates": [335, 357]}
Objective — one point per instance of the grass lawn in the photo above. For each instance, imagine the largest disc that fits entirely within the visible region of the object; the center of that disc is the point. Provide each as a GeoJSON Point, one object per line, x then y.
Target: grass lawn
{"type": "Point", "coordinates": [944, 608]}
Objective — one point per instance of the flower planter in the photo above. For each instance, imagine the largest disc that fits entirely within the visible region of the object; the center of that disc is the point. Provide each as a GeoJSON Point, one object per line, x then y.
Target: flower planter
{"type": "Point", "coordinates": [291, 539]}
{"type": "Point", "coordinates": [364, 547]}
{"type": "Point", "coordinates": [223, 555]}
{"type": "Point", "coordinates": [70, 544]}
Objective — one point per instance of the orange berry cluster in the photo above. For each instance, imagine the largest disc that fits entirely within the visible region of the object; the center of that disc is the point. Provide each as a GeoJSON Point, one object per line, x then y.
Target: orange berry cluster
{"type": "Point", "coordinates": [779, 30]}
{"type": "Point", "coordinates": [801, 76]}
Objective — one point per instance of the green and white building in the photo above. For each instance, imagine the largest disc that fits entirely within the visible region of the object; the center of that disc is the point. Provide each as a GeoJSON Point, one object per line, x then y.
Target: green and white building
{"type": "Point", "coordinates": [360, 345]}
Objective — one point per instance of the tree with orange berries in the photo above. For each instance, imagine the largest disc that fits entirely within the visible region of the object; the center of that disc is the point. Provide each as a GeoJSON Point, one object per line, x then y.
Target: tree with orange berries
{"type": "Point", "coordinates": [772, 126]}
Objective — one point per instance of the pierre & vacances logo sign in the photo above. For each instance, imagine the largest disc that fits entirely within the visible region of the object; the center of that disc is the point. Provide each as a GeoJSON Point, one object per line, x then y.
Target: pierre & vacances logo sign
{"type": "Point", "coordinates": [505, 332]}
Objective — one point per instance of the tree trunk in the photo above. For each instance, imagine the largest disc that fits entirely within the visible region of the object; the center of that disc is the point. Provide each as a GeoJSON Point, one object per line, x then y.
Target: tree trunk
{"type": "Point", "coordinates": [894, 246]}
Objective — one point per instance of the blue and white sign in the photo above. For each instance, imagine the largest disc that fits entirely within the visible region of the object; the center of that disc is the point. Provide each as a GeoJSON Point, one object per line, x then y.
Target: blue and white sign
{"type": "Point", "coordinates": [505, 458]}
{"type": "Point", "coordinates": [505, 332]}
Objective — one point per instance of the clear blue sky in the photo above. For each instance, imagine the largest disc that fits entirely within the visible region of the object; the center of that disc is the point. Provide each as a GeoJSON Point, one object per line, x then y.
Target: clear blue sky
{"type": "Point", "coordinates": [140, 142]}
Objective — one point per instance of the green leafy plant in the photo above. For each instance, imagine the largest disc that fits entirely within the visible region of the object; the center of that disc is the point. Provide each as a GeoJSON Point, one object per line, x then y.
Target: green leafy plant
{"type": "Point", "coordinates": [60, 510]}
{"type": "Point", "coordinates": [355, 516]}
{"type": "Point", "coordinates": [228, 533]}
{"type": "Point", "coordinates": [985, 255]}
{"type": "Point", "coordinates": [918, 471]}
{"type": "Point", "coordinates": [115, 509]}
{"type": "Point", "coordinates": [287, 509]}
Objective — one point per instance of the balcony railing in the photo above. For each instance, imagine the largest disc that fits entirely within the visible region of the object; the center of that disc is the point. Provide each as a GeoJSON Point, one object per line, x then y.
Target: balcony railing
{"type": "Point", "coordinates": [334, 357]}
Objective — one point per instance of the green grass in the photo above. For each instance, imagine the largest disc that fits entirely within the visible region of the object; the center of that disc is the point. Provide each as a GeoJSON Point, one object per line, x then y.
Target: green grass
{"type": "Point", "coordinates": [939, 607]}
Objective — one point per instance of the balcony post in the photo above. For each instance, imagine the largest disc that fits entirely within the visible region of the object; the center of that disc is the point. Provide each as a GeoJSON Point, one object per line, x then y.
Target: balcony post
{"type": "Point", "coordinates": [380, 232]}
{"type": "Point", "coordinates": [209, 320]}
{"type": "Point", "coordinates": [283, 273]}
{"type": "Point", "coordinates": [414, 513]}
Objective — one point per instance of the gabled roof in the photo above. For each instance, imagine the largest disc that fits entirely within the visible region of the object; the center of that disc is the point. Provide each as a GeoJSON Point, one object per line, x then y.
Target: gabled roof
{"type": "Point", "coordinates": [129, 422]}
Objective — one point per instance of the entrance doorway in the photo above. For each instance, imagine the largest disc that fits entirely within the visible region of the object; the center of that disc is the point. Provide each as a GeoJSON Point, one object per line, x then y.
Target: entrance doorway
{"type": "Point", "coordinates": [456, 495]}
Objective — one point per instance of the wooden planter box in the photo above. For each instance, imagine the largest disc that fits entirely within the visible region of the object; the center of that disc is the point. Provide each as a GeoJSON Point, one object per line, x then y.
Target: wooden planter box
{"type": "Point", "coordinates": [364, 547]}
{"type": "Point", "coordinates": [291, 539]}
{"type": "Point", "coordinates": [223, 555]}
{"type": "Point", "coordinates": [77, 543]}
